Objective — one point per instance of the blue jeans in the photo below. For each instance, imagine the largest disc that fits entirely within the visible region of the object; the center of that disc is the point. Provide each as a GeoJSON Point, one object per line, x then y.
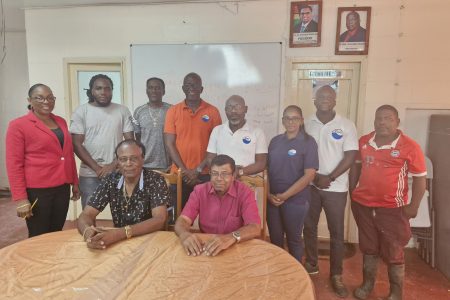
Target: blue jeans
{"type": "Point", "coordinates": [288, 219]}
{"type": "Point", "coordinates": [88, 185]}
{"type": "Point", "coordinates": [333, 203]}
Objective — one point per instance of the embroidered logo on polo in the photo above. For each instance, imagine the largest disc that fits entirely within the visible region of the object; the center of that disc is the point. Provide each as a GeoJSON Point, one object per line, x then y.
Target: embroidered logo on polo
{"type": "Point", "coordinates": [292, 152]}
{"type": "Point", "coordinates": [246, 140]}
{"type": "Point", "coordinates": [395, 153]}
{"type": "Point", "coordinates": [205, 118]}
{"type": "Point", "coordinates": [337, 134]}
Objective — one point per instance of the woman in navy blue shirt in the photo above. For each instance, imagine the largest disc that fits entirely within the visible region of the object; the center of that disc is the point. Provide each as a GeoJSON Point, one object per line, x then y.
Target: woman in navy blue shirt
{"type": "Point", "coordinates": [292, 161]}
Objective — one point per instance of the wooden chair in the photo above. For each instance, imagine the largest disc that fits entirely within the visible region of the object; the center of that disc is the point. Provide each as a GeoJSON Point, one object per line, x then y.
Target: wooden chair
{"type": "Point", "coordinates": [173, 178]}
{"type": "Point", "coordinates": [259, 181]}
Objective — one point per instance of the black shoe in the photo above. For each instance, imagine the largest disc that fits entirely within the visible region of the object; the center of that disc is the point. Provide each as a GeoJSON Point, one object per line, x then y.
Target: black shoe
{"type": "Point", "coordinates": [338, 286]}
{"type": "Point", "coordinates": [311, 269]}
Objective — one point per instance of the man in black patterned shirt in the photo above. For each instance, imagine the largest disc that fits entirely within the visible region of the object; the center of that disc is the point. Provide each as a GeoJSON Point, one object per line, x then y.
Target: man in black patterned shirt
{"type": "Point", "coordinates": [138, 199]}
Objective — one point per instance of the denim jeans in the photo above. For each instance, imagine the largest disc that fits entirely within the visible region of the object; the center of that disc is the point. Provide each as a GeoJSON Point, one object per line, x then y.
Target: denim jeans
{"type": "Point", "coordinates": [288, 219]}
{"type": "Point", "coordinates": [333, 203]}
{"type": "Point", "coordinates": [88, 185]}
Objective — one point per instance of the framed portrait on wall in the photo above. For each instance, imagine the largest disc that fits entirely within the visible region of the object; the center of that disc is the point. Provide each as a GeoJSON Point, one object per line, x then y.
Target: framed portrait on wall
{"type": "Point", "coordinates": [352, 31]}
{"type": "Point", "coordinates": [306, 23]}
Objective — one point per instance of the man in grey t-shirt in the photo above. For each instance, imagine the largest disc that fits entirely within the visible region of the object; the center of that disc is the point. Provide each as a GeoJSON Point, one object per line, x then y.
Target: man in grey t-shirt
{"type": "Point", "coordinates": [149, 126]}
{"type": "Point", "coordinates": [97, 127]}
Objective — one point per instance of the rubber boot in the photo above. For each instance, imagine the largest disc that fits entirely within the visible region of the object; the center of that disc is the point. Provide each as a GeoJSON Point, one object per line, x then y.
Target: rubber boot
{"type": "Point", "coordinates": [396, 274]}
{"type": "Point", "coordinates": [369, 274]}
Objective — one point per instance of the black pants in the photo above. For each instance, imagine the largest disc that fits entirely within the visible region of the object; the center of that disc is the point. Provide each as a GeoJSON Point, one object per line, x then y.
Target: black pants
{"type": "Point", "coordinates": [187, 189]}
{"type": "Point", "coordinates": [50, 211]}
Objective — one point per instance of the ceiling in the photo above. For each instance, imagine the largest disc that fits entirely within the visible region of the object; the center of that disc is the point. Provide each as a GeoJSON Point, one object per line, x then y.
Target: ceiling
{"type": "Point", "coordinates": [14, 9]}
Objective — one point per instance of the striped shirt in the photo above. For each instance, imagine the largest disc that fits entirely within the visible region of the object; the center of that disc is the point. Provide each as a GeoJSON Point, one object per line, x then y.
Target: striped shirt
{"type": "Point", "coordinates": [384, 171]}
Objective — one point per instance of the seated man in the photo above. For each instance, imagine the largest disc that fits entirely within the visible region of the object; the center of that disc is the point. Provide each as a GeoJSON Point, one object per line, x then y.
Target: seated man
{"type": "Point", "coordinates": [138, 199]}
{"type": "Point", "coordinates": [226, 208]}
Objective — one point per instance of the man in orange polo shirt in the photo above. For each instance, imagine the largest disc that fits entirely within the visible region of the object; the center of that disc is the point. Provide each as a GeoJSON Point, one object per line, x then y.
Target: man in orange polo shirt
{"type": "Point", "coordinates": [187, 129]}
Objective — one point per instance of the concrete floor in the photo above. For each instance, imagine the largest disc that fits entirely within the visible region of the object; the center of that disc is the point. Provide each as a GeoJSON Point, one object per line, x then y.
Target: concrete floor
{"type": "Point", "coordinates": [421, 281]}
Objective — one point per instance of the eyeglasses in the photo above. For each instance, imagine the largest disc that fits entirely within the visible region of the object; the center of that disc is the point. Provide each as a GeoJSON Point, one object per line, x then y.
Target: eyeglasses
{"type": "Point", "coordinates": [125, 159]}
{"type": "Point", "coordinates": [237, 107]}
{"type": "Point", "coordinates": [40, 99]}
{"type": "Point", "coordinates": [291, 119]}
{"type": "Point", "coordinates": [327, 98]}
{"type": "Point", "coordinates": [223, 175]}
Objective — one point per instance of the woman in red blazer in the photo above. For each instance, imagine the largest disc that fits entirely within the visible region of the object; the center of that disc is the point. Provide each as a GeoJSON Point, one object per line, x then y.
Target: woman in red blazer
{"type": "Point", "coordinates": [40, 164]}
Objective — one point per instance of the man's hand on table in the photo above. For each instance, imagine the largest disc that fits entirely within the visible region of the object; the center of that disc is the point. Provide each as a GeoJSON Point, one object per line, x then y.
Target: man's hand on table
{"type": "Point", "coordinates": [217, 243]}
{"type": "Point", "coordinates": [101, 239]}
{"type": "Point", "coordinates": [191, 243]}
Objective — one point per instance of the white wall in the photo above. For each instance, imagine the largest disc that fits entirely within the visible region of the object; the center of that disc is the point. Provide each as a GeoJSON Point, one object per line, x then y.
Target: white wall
{"type": "Point", "coordinates": [406, 66]}
{"type": "Point", "coordinates": [13, 89]}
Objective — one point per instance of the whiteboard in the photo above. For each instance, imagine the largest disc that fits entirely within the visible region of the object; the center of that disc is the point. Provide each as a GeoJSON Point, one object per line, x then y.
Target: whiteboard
{"type": "Point", "coordinates": [251, 70]}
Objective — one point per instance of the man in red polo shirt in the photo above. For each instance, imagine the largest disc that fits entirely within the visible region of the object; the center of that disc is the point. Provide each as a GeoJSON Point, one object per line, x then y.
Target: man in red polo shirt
{"type": "Point", "coordinates": [187, 129]}
{"type": "Point", "coordinates": [380, 202]}
{"type": "Point", "coordinates": [226, 208]}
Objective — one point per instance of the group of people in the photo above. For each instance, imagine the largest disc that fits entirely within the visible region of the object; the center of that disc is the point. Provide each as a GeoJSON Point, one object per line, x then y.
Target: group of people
{"type": "Point", "coordinates": [308, 167]}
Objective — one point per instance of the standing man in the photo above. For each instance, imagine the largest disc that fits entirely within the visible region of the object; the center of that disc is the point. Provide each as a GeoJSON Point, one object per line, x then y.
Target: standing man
{"type": "Point", "coordinates": [97, 127]}
{"type": "Point", "coordinates": [380, 202]}
{"type": "Point", "coordinates": [149, 126]}
{"type": "Point", "coordinates": [338, 145]}
{"type": "Point", "coordinates": [307, 23]}
{"type": "Point", "coordinates": [186, 133]}
{"type": "Point", "coordinates": [239, 140]}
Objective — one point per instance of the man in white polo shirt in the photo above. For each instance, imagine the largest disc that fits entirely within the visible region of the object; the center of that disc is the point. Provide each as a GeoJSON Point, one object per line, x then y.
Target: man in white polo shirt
{"type": "Point", "coordinates": [239, 140]}
{"type": "Point", "coordinates": [337, 141]}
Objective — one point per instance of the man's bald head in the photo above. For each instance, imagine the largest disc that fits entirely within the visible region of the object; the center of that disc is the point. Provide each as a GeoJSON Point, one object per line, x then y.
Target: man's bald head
{"type": "Point", "coordinates": [235, 110]}
{"type": "Point", "coordinates": [325, 99]}
{"type": "Point", "coordinates": [235, 99]}
{"type": "Point", "coordinates": [326, 89]}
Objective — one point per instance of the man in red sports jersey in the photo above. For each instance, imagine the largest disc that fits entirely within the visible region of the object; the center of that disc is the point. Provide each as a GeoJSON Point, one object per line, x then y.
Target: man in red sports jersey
{"type": "Point", "coordinates": [380, 201]}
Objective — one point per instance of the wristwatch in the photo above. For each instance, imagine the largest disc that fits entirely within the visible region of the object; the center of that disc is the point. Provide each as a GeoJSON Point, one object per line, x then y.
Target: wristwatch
{"type": "Point", "coordinates": [237, 235]}
{"type": "Point", "coordinates": [199, 169]}
{"type": "Point", "coordinates": [240, 171]}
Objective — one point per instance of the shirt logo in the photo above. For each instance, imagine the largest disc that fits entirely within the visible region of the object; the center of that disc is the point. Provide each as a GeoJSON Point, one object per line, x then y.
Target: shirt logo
{"type": "Point", "coordinates": [246, 140]}
{"type": "Point", "coordinates": [205, 118]}
{"type": "Point", "coordinates": [292, 152]}
{"type": "Point", "coordinates": [395, 153]}
{"type": "Point", "coordinates": [370, 160]}
{"type": "Point", "coordinates": [337, 134]}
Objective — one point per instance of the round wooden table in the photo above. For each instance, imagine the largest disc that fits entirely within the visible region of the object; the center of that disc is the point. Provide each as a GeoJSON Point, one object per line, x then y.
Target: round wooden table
{"type": "Point", "coordinates": [155, 266]}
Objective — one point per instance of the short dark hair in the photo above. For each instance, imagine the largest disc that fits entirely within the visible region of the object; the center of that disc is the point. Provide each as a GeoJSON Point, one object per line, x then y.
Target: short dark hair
{"type": "Point", "coordinates": [304, 6]}
{"type": "Point", "coordinates": [355, 13]}
{"type": "Point", "coordinates": [223, 159]}
{"type": "Point", "coordinates": [91, 85]}
{"type": "Point", "coordinates": [388, 107]}
{"type": "Point", "coordinates": [157, 79]}
{"type": "Point", "coordinates": [194, 75]}
{"type": "Point", "coordinates": [130, 142]}
{"type": "Point", "coordinates": [35, 86]}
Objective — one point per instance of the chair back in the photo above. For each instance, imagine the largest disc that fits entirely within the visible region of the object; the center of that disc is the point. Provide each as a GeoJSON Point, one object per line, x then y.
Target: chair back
{"type": "Point", "coordinates": [259, 181]}
{"type": "Point", "coordinates": [171, 179]}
